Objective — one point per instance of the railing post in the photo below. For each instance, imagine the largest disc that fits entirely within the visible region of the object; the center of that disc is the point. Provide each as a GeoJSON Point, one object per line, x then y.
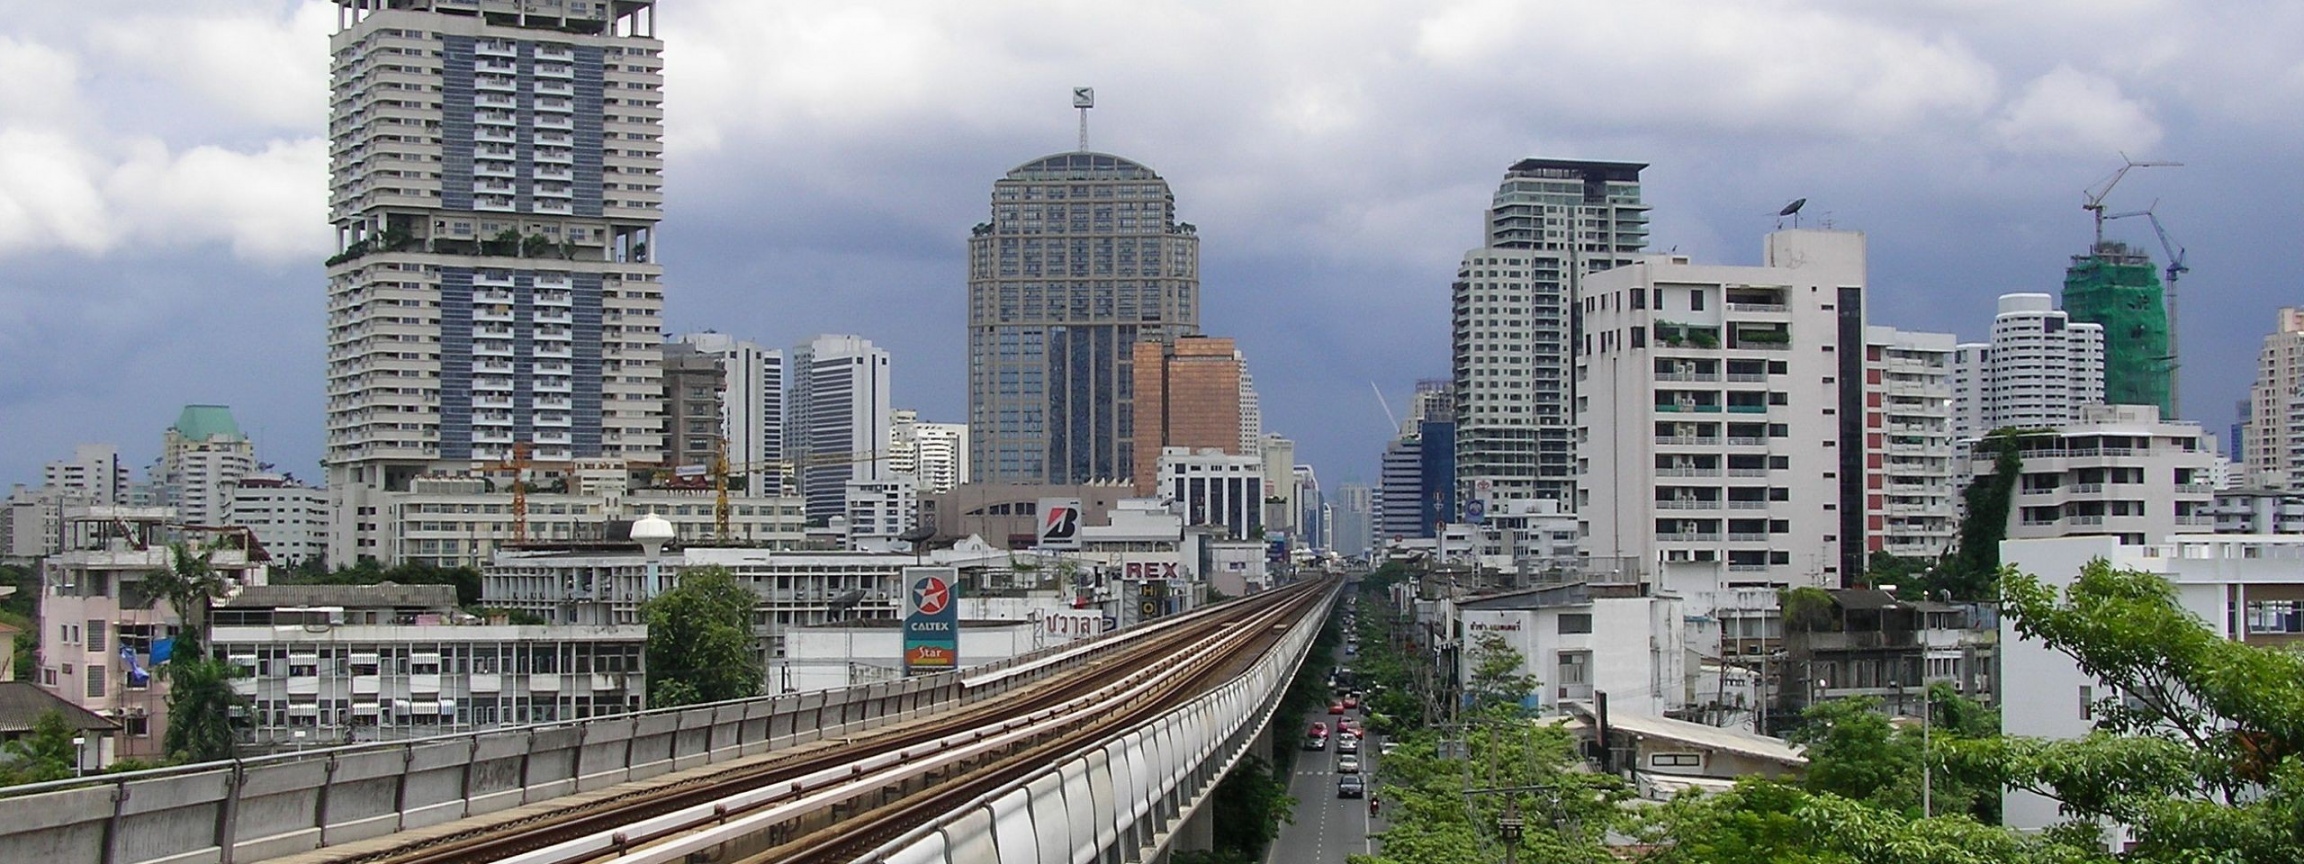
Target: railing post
{"type": "Point", "coordinates": [320, 809]}
{"type": "Point", "coordinates": [112, 825]}
{"type": "Point", "coordinates": [228, 813]}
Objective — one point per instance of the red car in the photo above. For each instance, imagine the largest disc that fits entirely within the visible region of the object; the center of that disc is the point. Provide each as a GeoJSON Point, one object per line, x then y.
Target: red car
{"type": "Point", "coordinates": [1335, 707]}
{"type": "Point", "coordinates": [1319, 730]}
{"type": "Point", "coordinates": [1351, 702]}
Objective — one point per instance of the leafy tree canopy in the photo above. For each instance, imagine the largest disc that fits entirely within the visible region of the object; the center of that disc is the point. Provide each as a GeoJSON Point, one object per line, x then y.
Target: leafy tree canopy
{"type": "Point", "coordinates": [700, 641]}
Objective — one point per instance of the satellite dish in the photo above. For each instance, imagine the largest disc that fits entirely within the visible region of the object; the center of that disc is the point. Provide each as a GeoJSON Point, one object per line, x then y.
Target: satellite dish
{"type": "Point", "coordinates": [1793, 207]}
{"type": "Point", "coordinates": [846, 601]}
{"type": "Point", "coordinates": [918, 534]}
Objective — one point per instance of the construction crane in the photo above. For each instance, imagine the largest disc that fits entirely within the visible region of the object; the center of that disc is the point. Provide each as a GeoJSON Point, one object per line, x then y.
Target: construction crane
{"type": "Point", "coordinates": [721, 468]}
{"type": "Point", "coordinates": [2096, 194]}
{"type": "Point", "coordinates": [2175, 268]}
{"type": "Point", "coordinates": [517, 463]}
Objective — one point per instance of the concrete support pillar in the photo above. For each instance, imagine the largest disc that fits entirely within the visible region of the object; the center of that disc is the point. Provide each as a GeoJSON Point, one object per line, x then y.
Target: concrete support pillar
{"type": "Point", "coordinates": [1198, 833]}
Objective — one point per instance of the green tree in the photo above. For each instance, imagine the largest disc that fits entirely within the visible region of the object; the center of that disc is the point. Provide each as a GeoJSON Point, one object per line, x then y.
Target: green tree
{"type": "Point", "coordinates": [1496, 678]}
{"type": "Point", "coordinates": [191, 586]}
{"type": "Point", "coordinates": [2199, 740]}
{"type": "Point", "coordinates": [1450, 809]}
{"type": "Point", "coordinates": [46, 753]}
{"type": "Point", "coordinates": [1975, 561]}
{"type": "Point", "coordinates": [1250, 806]}
{"type": "Point", "coordinates": [700, 641]}
{"type": "Point", "coordinates": [201, 704]}
{"type": "Point", "coordinates": [1764, 822]}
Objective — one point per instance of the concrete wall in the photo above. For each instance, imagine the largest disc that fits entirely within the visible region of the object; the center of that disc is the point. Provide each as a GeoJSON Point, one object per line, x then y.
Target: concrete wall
{"type": "Point", "coordinates": [253, 809]}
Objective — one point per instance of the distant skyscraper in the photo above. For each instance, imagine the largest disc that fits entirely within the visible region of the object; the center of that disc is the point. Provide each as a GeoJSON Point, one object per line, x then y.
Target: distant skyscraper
{"type": "Point", "coordinates": [1251, 409]}
{"type": "Point", "coordinates": [748, 407]}
{"type": "Point", "coordinates": [2271, 447]}
{"type": "Point", "coordinates": [1515, 318]}
{"type": "Point", "coordinates": [495, 189]}
{"type": "Point", "coordinates": [93, 475]}
{"type": "Point", "coordinates": [934, 455]}
{"type": "Point", "coordinates": [1353, 518]}
{"type": "Point", "coordinates": [838, 419]}
{"type": "Point", "coordinates": [1187, 394]}
{"type": "Point", "coordinates": [2039, 369]}
{"type": "Point", "coordinates": [202, 457]}
{"type": "Point", "coordinates": [2117, 287]}
{"type": "Point", "coordinates": [1082, 259]}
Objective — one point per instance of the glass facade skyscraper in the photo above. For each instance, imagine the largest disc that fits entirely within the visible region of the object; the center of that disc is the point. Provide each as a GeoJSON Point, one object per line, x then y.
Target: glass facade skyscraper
{"type": "Point", "coordinates": [1082, 259]}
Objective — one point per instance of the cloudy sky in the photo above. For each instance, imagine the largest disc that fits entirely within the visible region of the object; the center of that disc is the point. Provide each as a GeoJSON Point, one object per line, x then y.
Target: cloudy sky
{"type": "Point", "coordinates": [162, 174]}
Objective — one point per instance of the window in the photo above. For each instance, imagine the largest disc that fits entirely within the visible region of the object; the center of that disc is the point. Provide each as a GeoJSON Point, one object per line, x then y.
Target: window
{"type": "Point", "coordinates": [1576, 622]}
{"type": "Point", "coordinates": [1695, 299]}
{"type": "Point", "coordinates": [96, 682]}
{"type": "Point", "coordinates": [2087, 702]}
{"type": "Point", "coordinates": [1675, 760]}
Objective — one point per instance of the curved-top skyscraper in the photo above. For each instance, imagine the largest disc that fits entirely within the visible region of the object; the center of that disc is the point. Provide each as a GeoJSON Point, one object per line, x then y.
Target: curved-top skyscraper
{"type": "Point", "coordinates": [1082, 259]}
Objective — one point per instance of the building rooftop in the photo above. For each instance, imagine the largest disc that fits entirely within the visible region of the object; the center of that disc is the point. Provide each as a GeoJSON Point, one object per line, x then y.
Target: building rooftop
{"type": "Point", "coordinates": [390, 595]}
{"type": "Point", "coordinates": [203, 422]}
{"type": "Point", "coordinates": [22, 703]}
{"type": "Point", "coordinates": [1694, 734]}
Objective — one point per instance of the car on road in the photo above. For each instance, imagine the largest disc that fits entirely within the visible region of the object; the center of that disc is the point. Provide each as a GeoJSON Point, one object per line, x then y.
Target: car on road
{"type": "Point", "coordinates": [1318, 730]}
{"type": "Point", "coordinates": [1335, 707]}
{"type": "Point", "coordinates": [1315, 742]}
{"type": "Point", "coordinates": [1347, 744]}
{"type": "Point", "coordinates": [1347, 764]}
{"type": "Point", "coordinates": [1351, 786]}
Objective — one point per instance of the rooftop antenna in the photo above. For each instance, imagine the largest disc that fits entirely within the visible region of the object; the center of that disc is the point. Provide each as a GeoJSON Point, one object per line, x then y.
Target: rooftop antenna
{"type": "Point", "coordinates": [2094, 202]}
{"type": "Point", "coordinates": [1083, 98]}
{"type": "Point", "coordinates": [1792, 210]}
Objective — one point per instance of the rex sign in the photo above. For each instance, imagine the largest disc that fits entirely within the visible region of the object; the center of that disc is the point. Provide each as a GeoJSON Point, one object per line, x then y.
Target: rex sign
{"type": "Point", "coordinates": [931, 619]}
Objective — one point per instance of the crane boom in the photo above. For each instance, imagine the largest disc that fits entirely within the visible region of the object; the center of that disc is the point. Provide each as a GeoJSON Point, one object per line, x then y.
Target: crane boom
{"type": "Point", "coordinates": [2096, 194]}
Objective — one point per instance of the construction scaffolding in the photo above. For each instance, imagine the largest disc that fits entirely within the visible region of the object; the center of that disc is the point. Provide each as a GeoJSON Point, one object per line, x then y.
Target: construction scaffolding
{"type": "Point", "coordinates": [2115, 285]}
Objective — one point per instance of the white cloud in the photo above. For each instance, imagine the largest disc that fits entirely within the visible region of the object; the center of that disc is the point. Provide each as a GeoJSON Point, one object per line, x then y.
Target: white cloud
{"type": "Point", "coordinates": [48, 194]}
{"type": "Point", "coordinates": [37, 82]}
{"type": "Point", "coordinates": [269, 205]}
{"type": "Point", "coordinates": [2069, 111]}
{"type": "Point", "coordinates": [269, 70]}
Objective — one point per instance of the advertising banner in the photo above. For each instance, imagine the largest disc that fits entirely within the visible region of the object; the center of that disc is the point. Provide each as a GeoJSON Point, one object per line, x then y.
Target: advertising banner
{"type": "Point", "coordinates": [931, 619]}
{"type": "Point", "coordinates": [1059, 523]}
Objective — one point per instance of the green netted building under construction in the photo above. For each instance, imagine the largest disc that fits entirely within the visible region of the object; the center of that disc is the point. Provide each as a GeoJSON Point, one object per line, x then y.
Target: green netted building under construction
{"type": "Point", "coordinates": [2116, 286]}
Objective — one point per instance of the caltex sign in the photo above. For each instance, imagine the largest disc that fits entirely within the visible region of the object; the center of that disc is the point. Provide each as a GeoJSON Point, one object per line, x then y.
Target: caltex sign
{"type": "Point", "coordinates": [931, 619]}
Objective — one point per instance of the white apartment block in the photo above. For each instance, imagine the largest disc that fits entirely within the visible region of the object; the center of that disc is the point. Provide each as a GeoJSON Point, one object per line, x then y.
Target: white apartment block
{"type": "Point", "coordinates": [2037, 371]}
{"type": "Point", "coordinates": [463, 521]}
{"type": "Point", "coordinates": [1721, 416]}
{"type": "Point", "coordinates": [495, 187]}
{"type": "Point", "coordinates": [751, 409]}
{"type": "Point", "coordinates": [2120, 471]}
{"type": "Point", "coordinates": [837, 418]}
{"type": "Point", "coordinates": [2245, 588]}
{"type": "Point", "coordinates": [1551, 223]}
{"type": "Point", "coordinates": [1281, 491]}
{"type": "Point", "coordinates": [202, 457]}
{"type": "Point", "coordinates": [339, 664]}
{"type": "Point", "coordinates": [1575, 639]}
{"type": "Point", "coordinates": [606, 586]}
{"type": "Point", "coordinates": [289, 519]}
{"type": "Point", "coordinates": [1251, 408]}
{"type": "Point", "coordinates": [1912, 504]}
{"type": "Point", "coordinates": [101, 626]}
{"type": "Point", "coordinates": [934, 455]}
{"type": "Point", "coordinates": [93, 475]}
{"type": "Point", "coordinates": [2272, 446]}
{"type": "Point", "coordinates": [2258, 511]}
{"type": "Point", "coordinates": [882, 509]}
{"type": "Point", "coordinates": [1210, 487]}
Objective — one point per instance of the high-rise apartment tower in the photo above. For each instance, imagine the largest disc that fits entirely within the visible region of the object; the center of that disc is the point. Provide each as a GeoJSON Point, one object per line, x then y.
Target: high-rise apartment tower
{"type": "Point", "coordinates": [494, 186]}
{"type": "Point", "coordinates": [837, 425]}
{"type": "Point", "coordinates": [1083, 258]}
{"type": "Point", "coordinates": [1515, 319]}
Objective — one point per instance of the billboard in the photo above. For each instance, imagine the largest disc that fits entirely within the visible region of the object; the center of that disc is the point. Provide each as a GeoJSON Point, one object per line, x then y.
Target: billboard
{"type": "Point", "coordinates": [1059, 523]}
{"type": "Point", "coordinates": [931, 619]}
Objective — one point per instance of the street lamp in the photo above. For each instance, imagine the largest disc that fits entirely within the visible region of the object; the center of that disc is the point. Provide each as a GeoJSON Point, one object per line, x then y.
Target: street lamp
{"type": "Point", "coordinates": [652, 532]}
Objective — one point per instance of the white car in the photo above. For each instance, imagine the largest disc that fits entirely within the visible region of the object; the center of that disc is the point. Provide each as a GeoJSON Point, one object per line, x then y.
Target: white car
{"type": "Point", "coordinates": [1347, 764]}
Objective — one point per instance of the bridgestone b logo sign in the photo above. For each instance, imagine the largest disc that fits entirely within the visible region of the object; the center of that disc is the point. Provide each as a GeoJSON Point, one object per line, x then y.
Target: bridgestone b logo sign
{"type": "Point", "coordinates": [1059, 523]}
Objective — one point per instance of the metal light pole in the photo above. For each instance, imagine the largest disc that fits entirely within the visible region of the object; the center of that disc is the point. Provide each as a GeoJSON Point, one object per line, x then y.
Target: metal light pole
{"type": "Point", "coordinates": [1927, 780]}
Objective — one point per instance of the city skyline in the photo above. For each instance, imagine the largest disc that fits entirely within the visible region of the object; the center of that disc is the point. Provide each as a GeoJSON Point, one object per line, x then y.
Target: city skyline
{"type": "Point", "coordinates": [162, 184]}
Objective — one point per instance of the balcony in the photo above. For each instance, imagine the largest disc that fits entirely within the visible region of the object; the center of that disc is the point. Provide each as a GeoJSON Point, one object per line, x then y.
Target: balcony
{"type": "Point", "coordinates": [1686, 408]}
{"type": "Point", "coordinates": [1687, 440]}
{"type": "Point", "coordinates": [1736, 441]}
{"type": "Point", "coordinates": [1687, 376]}
{"type": "Point", "coordinates": [1689, 537]}
{"type": "Point", "coordinates": [1747, 472]}
{"type": "Point", "coordinates": [1764, 308]}
{"type": "Point", "coordinates": [1746, 537]}
{"type": "Point", "coordinates": [1747, 505]}
{"type": "Point", "coordinates": [1687, 504]}
{"type": "Point", "coordinates": [1687, 472]}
